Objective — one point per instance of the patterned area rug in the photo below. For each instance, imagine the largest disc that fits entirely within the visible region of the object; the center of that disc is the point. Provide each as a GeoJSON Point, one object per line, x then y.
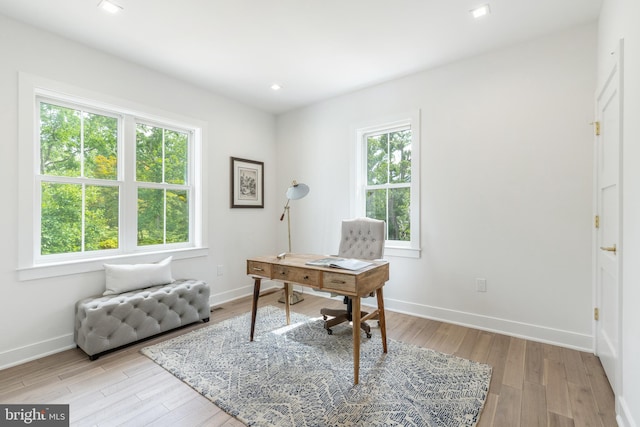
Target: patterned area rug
{"type": "Point", "coordinates": [298, 375]}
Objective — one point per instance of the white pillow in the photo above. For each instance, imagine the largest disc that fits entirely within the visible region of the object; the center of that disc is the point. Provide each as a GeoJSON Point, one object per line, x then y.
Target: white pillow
{"type": "Point", "coordinates": [128, 277]}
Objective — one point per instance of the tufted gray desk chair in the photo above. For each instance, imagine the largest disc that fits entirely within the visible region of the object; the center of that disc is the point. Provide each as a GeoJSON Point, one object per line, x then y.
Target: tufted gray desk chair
{"type": "Point", "coordinates": [362, 238]}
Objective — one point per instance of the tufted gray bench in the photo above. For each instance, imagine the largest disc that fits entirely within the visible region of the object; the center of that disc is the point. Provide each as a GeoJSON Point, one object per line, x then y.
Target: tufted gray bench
{"type": "Point", "coordinates": [104, 323]}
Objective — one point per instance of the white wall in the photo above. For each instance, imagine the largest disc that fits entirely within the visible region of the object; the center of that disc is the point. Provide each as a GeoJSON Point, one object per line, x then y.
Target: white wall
{"type": "Point", "coordinates": [619, 19]}
{"type": "Point", "coordinates": [37, 315]}
{"type": "Point", "coordinates": [506, 185]}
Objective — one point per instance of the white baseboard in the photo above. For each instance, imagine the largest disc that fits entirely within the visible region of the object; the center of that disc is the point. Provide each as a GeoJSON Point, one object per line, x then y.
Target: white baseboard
{"type": "Point", "coordinates": [27, 353]}
{"type": "Point", "coordinates": [573, 340]}
{"type": "Point", "coordinates": [225, 297]}
{"type": "Point", "coordinates": [624, 417]}
{"type": "Point", "coordinates": [562, 338]}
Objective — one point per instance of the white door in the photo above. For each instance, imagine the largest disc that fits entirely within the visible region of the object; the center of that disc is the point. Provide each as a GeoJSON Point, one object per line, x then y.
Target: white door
{"type": "Point", "coordinates": [608, 236]}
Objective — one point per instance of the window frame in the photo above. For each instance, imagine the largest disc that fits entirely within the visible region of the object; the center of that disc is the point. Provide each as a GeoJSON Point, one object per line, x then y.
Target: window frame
{"type": "Point", "coordinates": [411, 120]}
{"type": "Point", "coordinates": [31, 263]}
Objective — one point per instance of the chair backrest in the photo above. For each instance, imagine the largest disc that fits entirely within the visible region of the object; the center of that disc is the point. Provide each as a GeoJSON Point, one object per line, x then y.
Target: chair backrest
{"type": "Point", "coordinates": [362, 238]}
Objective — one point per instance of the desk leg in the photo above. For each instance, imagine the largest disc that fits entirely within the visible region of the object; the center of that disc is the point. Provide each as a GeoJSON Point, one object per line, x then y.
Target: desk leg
{"type": "Point", "coordinates": [381, 319]}
{"type": "Point", "coordinates": [287, 300]}
{"type": "Point", "coordinates": [254, 306]}
{"type": "Point", "coordinates": [355, 316]}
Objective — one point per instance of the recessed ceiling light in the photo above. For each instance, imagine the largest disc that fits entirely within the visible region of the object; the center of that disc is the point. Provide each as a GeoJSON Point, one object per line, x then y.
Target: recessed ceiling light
{"type": "Point", "coordinates": [276, 86]}
{"type": "Point", "coordinates": [109, 6]}
{"type": "Point", "coordinates": [480, 11]}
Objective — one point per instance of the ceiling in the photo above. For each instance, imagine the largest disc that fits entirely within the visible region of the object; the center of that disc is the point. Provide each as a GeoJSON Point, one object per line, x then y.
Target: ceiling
{"type": "Point", "coordinates": [315, 49]}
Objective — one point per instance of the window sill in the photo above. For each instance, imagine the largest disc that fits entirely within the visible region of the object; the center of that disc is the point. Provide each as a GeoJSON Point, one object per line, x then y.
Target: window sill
{"type": "Point", "coordinates": [90, 265]}
{"type": "Point", "coordinates": [396, 251]}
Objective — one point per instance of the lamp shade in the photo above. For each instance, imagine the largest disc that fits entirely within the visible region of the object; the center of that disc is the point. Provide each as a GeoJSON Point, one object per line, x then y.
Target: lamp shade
{"type": "Point", "coordinates": [297, 191]}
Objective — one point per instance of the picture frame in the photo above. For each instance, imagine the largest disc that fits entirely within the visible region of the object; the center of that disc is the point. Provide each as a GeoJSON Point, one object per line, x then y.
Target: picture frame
{"type": "Point", "coordinates": [247, 183]}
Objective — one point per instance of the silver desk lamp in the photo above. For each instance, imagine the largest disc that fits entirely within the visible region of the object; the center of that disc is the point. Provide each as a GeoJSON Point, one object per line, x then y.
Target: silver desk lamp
{"type": "Point", "coordinates": [295, 192]}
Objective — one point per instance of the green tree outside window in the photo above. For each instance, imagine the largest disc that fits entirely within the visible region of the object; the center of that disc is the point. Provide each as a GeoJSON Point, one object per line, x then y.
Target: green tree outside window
{"type": "Point", "coordinates": [76, 145]}
{"type": "Point", "coordinates": [162, 157]}
{"type": "Point", "coordinates": [80, 185]}
{"type": "Point", "coordinates": [388, 192]}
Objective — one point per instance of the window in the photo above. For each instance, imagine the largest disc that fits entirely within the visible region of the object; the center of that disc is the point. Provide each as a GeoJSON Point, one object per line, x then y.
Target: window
{"type": "Point", "coordinates": [388, 181]}
{"type": "Point", "coordinates": [78, 179]}
{"type": "Point", "coordinates": [107, 182]}
{"type": "Point", "coordinates": [163, 185]}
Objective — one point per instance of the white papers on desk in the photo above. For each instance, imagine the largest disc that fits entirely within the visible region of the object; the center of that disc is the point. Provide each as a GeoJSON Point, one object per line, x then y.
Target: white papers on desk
{"type": "Point", "coordinates": [347, 264]}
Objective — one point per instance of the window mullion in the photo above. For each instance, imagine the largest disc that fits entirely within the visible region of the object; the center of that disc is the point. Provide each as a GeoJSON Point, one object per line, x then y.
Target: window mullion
{"type": "Point", "coordinates": [82, 117]}
{"type": "Point", "coordinates": [163, 156]}
{"type": "Point", "coordinates": [129, 187]}
{"type": "Point", "coordinates": [83, 223]}
{"type": "Point", "coordinates": [83, 190]}
{"type": "Point", "coordinates": [164, 190]}
{"type": "Point", "coordinates": [164, 216]}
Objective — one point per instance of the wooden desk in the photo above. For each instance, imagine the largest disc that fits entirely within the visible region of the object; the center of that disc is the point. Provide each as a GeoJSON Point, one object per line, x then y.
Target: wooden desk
{"type": "Point", "coordinates": [354, 284]}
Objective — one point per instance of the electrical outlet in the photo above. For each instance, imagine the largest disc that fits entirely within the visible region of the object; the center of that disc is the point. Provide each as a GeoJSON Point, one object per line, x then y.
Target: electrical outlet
{"type": "Point", "coordinates": [220, 270]}
{"type": "Point", "coordinates": [481, 285]}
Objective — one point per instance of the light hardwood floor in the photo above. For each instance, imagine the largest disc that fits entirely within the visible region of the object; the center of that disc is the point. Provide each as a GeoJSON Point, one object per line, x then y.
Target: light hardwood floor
{"type": "Point", "coordinates": [533, 384]}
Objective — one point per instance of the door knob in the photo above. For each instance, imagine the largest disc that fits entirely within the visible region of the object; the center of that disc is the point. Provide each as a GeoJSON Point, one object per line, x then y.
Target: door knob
{"type": "Point", "coordinates": [609, 248]}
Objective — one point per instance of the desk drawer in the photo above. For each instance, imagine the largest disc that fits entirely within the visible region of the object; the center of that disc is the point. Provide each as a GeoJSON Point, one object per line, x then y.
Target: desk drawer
{"type": "Point", "coordinates": [339, 282]}
{"type": "Point", "coordinates": [301, 276]}
{"type": "Point", "coordinates": [257, 268]}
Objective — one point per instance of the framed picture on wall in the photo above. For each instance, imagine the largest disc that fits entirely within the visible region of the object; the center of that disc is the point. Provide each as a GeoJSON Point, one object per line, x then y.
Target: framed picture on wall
{"type": "Point", "coordinates": [247, 183]}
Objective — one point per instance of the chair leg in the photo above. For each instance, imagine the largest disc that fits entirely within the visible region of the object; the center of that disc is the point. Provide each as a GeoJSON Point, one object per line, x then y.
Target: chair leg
{"type": "Point", "coordinates": [335, 320]}
{"type": "Point", "coordinates": [365, 327]}
{"type": "Point", "coordinates": [340, 316]}
{"type": "Point", "coordinates": [332, 312]}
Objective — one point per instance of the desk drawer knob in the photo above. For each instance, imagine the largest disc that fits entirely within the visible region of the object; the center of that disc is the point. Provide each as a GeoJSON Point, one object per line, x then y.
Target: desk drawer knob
{"type": "Point", "coordinates": [258, 269]}
{"type": "Point", "coordinates": [342, 282]}
{"type": "Point", "coordinates": [306, 277]}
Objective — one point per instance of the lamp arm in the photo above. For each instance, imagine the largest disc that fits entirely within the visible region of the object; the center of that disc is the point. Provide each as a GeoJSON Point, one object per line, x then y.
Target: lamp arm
{"type": "Point", "coordinates": [285, 209]}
